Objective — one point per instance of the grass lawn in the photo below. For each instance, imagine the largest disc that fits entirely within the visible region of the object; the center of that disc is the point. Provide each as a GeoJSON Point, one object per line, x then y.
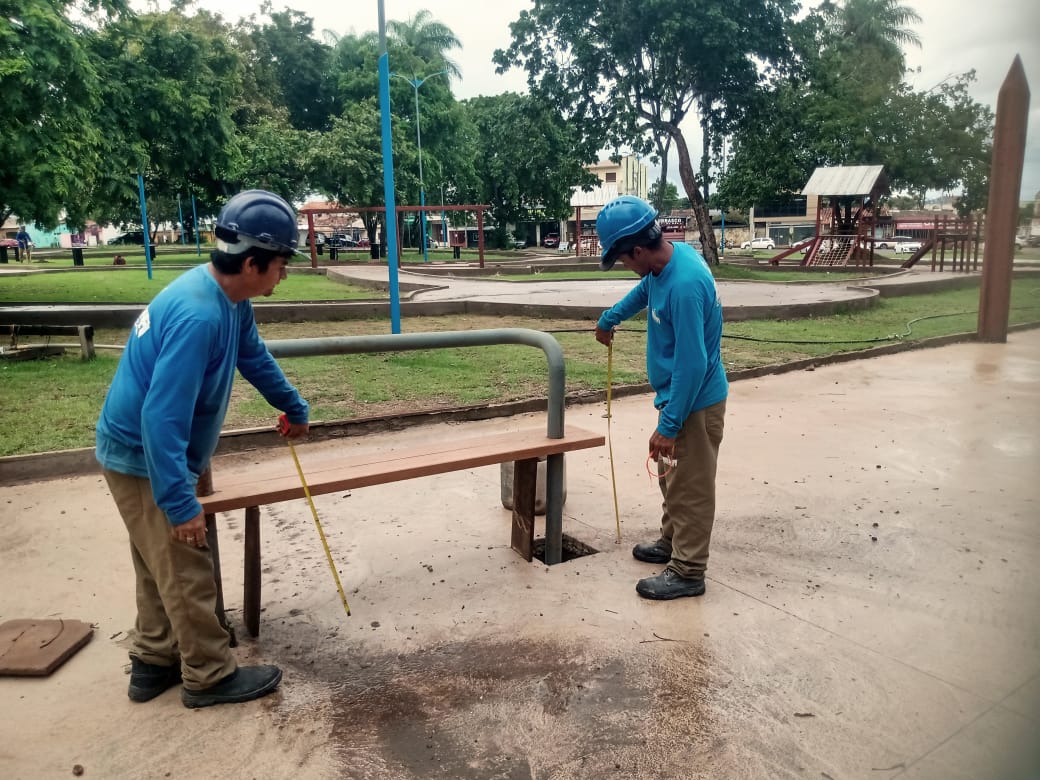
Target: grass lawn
{"type": "Point", "coordinates": [132, 285]}
{"type": "Point", "coordinates": [59, 398]}
{"type": "Point", "coordinates": [175, 254]}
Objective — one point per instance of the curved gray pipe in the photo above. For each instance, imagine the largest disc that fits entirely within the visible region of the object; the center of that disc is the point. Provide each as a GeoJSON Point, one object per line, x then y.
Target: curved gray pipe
{"type": "Point", "coordinates": [403, 342]}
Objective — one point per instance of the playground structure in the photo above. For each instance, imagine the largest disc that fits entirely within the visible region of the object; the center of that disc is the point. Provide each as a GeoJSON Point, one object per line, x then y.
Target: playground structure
{"type": "Point", "coordinates": [847, 225]}
{"type": "Point", "coordinates": [851, 194]}
{"type": "Point", "coordinates": [962, 235]}
{"type": "Point", "coordinates": [376, 248]}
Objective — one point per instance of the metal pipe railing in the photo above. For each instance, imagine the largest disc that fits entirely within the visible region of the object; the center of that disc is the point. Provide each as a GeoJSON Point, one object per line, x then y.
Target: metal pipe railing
{"type": "Point", "coordinates": [403, 342]}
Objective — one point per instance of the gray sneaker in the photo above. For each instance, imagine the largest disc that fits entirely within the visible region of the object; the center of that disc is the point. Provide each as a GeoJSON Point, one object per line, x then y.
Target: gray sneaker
{"type": "Point", "coordinates": [669, 585]}
{"type": "Point", "coordinates": [244, 684]}
{"type": "Point", "coordinates": [654, 552]}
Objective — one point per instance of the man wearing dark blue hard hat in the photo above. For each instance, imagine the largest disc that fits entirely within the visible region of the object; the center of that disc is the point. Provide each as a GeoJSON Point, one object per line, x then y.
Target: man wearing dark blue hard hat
{"type": "Point", "coordinates": [684, 366]}
{"type": "Point", "coordinates": [158, 429]}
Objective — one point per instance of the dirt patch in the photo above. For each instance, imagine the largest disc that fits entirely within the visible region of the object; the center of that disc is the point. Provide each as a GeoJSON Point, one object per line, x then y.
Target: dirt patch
{"type": "Point", "coordinates": [507, 708]}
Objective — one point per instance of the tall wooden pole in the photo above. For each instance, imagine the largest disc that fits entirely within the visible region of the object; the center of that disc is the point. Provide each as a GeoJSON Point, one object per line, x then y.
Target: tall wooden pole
{"type": "Point", "coordinates": [1005, 182]}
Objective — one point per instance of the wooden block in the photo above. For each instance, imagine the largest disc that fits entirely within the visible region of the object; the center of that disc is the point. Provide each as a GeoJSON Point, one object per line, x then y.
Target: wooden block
{"type": "Point", "coordinates": [36, 648]}
{"type": "Point", "coordinates": [525, 478]}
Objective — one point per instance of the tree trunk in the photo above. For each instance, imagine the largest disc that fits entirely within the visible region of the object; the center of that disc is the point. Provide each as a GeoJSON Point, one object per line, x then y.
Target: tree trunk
{"type": "Point", "coordinates": [662, 148]}
{"type": "Point", "coordinates": [709, 248]}
{"type": "Point", "coordinates": [705, 158]}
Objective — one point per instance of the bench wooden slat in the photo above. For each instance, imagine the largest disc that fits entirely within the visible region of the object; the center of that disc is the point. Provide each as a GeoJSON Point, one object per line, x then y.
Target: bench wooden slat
{"type": "Point", "coordinates": [329, 472]}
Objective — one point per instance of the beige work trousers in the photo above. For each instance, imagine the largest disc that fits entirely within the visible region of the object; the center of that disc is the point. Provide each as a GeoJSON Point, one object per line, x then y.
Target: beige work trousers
{"type": "Point", "coordinates": [176, 591]}
{"type": "Point", "coordinates": [688, 509]}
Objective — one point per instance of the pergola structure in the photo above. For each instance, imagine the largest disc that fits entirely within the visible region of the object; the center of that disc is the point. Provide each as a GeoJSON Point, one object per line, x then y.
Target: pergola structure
{"type": "Point", "coordinates": [311, 212]}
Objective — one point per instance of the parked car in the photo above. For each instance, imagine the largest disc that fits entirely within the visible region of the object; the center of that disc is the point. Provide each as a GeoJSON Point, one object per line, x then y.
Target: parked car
{"type": "Point", "coordinates": [131, 237]}
{"type": "Point", "coordinates": [320, 239]}
{"type": "Point", "coordinates": [761, 242]}
{"type": "Point", "coordinates": [892, 242]}
{"type": "Point", "coordinates": [343, 241]}
{"type": "Point", "coordinates": [8, 242]}
{"type": "Point", "coordinates": [551, 241]}
{"type": "Point", "coordinates": [519, 244]}
{"type": "Point", "coordinates": [910, 246]}
{"type": "Point", "coordinates": [803, 245]}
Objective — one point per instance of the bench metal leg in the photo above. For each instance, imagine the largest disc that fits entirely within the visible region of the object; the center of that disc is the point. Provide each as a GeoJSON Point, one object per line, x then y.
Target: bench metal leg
{"type": "Point", "coordinates": [525, 478]}
{"type": "Point", "coordinates": [213, 542]}
{"type": "Point", "coordinates": [554, 509]}
{"type": "Point", "coordinates": [251, 587]}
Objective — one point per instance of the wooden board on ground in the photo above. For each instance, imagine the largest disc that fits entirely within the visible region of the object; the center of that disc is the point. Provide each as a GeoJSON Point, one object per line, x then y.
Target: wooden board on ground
{"type": "Point", "coordinates": [35, 648]}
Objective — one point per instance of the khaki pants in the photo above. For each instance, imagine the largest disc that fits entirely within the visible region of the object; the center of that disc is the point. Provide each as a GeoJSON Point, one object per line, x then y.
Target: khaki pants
{"type": "Point", "coordinates": [688, 509]}
{"type": "Point", "coordinates": [176, 591]}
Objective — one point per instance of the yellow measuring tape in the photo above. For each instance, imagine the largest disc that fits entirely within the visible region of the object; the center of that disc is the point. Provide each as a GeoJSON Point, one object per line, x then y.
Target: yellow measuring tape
{"type": "Point", "coordinates": [317, 522]}
{"type": "Point", "coordinates": [610, 443]}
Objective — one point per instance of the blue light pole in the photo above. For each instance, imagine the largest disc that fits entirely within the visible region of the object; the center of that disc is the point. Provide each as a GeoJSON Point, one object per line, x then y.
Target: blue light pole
{"type": "Point", "coordinates": [390, 215]}
{"type": "Point", "coordinates": [415, 83]}
{"type": "Point", "coordinates": [144, 225]}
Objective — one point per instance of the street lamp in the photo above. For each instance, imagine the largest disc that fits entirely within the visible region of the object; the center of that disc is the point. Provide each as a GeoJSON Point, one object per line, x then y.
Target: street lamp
{"type": "Point", "coordinates": [415, 83]}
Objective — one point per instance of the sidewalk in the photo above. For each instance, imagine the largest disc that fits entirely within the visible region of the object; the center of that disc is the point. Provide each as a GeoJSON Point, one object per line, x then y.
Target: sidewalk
{"type": "Point", "coordinates": [871, 608]}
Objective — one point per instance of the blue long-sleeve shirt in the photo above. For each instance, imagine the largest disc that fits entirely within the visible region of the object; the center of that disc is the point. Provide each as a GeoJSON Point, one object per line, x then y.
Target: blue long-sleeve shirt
{"type": "Point", "coordinates": [683, 336]}
{"type": "Point", "coordinates": [167, 402]}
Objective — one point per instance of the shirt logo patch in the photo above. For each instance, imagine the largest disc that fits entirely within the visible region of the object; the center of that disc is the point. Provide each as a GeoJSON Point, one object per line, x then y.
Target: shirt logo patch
{"type": "Point", "coordinates": [142, 324]}
{"type": "Point", "coordinates": [653, 313]}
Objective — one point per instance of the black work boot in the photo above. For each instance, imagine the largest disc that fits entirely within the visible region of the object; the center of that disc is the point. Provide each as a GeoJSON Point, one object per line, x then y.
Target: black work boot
{"type": "Point", "coordinates": [244, 684]}
{"type": "Point", "coordinates": [669, 585]}
{"type": "Point", "coordinates": [654, 552]}
{"type": "Point", "coordinates": [149, 680]}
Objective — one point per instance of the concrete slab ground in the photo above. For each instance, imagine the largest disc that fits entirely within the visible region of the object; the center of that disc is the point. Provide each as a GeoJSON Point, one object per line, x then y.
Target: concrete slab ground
{"type": "Point", "coordinates": [871, 608]}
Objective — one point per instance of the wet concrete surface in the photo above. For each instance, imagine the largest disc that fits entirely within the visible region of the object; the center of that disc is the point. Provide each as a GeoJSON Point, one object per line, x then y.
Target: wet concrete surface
{"type": "Point", "coordinates": [871, 608]}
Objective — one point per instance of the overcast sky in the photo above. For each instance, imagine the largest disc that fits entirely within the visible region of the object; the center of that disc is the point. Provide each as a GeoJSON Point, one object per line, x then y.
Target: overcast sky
{"type": "Point", "coordinates": [956, 36]}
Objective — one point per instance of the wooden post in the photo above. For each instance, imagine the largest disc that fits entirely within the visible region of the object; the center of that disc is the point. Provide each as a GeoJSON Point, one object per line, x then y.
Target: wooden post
{"type": "Point", "coordinates": [480, 236]}
{"type": "Point", "coordinates": [577, 231]}
{"type": "Point", "coordinates": [251, 580]}
{"type": "Point", "coordinates": [204, 487]}
{"type": "Point", "coordinates": [1005, 182]}
{"type": "Point", "coordinates": [525, 480]}
{"type": "Point", "coordinates": [978, 241]}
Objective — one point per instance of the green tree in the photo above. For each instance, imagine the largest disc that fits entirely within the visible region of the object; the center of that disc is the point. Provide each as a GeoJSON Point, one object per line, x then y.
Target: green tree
{"type": "Point", "coordinates": [52, 144]}
{"type": "Point", "coordinates": [291, 68]}
{"type": "Point", "coordinates": [524, 159]}
{"type": "Point", "coordinates": [170, 83]}
{"type": "Point", "coordinates": [871, 35]}
{"type": "Point", "coordinates": [625, 73]}
{"type": "Point", "coordinates": [270, 154]}
{"type": "Point", "coordinates": [836, 109]}
{"type": "Point", "coordinates": [665, 198]}
{"type": "Point", "coordinates": [427, 41]}
{"type": "Point", "coordinates": [346, 163]}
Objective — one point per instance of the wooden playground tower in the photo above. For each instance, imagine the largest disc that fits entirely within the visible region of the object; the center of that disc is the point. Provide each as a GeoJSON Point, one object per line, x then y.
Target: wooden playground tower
{"type": "Point", "coordinates": [847, 200]}
{"type": "Point", "coordinates": [961, 235]}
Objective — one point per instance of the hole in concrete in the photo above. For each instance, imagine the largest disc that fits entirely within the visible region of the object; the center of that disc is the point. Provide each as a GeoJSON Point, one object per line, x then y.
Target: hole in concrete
{"type": "Point", "coordinates": [572, 548]}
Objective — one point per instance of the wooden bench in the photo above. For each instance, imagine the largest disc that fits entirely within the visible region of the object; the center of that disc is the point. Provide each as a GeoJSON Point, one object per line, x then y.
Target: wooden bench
{"type": "Point", "coordinates": [253, 486]}
{"type": "Point", "coordinates": [85, 334]}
